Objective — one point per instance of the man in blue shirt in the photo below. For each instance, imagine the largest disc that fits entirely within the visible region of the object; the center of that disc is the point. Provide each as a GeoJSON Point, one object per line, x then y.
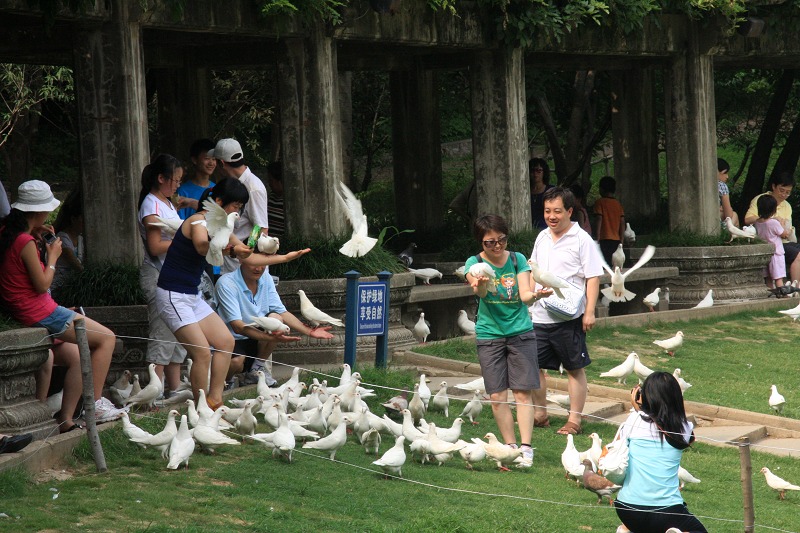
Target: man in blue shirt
{"type": "Point", "coordinates": [248, 292]}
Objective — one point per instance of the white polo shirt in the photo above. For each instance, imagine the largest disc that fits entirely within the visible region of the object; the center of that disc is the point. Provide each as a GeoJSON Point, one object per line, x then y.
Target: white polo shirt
{"type": "Point", "coordinates": [255, 212]}
{"type": "Point", "coordinates": [574, 257]}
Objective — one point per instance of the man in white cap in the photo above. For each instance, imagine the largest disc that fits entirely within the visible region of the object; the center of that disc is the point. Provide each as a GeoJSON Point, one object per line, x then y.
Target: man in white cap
{"type": "Point", "coordinates": [230, 158]}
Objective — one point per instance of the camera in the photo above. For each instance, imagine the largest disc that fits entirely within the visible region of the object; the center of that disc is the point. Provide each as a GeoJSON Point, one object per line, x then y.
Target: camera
{"type": "Point", "coordinates": [49, 238]}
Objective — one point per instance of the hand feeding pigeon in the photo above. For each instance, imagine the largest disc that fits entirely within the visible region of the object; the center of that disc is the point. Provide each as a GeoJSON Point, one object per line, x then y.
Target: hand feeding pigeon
{"type": "Point", "coordinates": [466, 325]}
{"type": "Point", "coordinates": [623, 370]}
{"type": "Point", "coordinates": [547, 279]}
{"type": "Point", "coordinates": [778, 484]}
{"type": "Point", "coordinates": [220, 227]}
{"type": "Point", "coordinates": [407, 256]}
{"type": "Point", "coordinates": [617, 292]}
{"type": "Point", "coordinates": [360, 242]}
{"type": "Point", "coordinates": [651, 300]}
{"type": "Point", "coordinates": [672, 344]}
{"type": "Point", "coordinates": [269, 324]}
{"type": "Point", "coordinates": [421, 329]}
{"type": "Point", "coordinates": [426, 274]}
{"type": "Point", "coordinates": [707, 301]}
{"type": "Point", "coordinates": [618, 257]}
{"type": "Point", "coordinates": [776, 400]}
{"type": "Point", "coordinates": [747, 232]}
{"type": "Point", "coordinates": [314, 315]}
{"type": "Point", "coordinates": [484, 270]}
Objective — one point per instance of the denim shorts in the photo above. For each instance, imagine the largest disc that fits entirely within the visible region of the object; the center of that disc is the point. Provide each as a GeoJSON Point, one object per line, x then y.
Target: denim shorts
{"type": "Point", "coordinates": [58, 321]}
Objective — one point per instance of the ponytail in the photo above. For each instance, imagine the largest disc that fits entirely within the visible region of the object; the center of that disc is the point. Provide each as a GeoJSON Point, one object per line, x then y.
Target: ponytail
{"type": "Point", "coordinates": [162, 165]}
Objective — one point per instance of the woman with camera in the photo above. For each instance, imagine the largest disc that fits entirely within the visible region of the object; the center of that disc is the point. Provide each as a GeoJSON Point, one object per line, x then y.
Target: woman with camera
{"type": "Point", "coordinates": [657, 433]}
{"type": "Point", "coordinates": [25, 296]}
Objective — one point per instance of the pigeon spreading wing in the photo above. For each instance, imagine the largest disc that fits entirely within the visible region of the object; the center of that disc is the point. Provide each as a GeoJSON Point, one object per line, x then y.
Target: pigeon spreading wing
{"type": "Point", "coordinates": [617, 292]}
{"type": "Point", "coordinates": [360, 243]}
{"type": "Point", "coordinates": [220, 227]}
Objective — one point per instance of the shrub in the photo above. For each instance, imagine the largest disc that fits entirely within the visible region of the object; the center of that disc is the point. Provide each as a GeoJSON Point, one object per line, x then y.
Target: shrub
{"type": "Point", "coordinates": [101, 284]}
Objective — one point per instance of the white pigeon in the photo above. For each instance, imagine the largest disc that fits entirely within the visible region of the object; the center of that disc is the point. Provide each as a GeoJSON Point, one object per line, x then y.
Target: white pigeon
{"type": "Point", "coordinates": [460, 273]}
{"type": "Point", "coordinates": [651, 300]}
{"type": "Point", "coordinates": [245, 424]}
{"type": "Point", "coordinates": [570, 460]}
{"type": "Point", "coordinates": [437, 445]}
{"type": "Point", "coordinates": [778, 484]}
{"type": "Point", "coordinates": [360, 242]}
{"type": "Point", "coordinates": [451, 434]}
{"type": "Point", "coordinates": [409, 431]}
{"type": "Point", "coordinates": [776, 400]}
{"type": "Point", "coordinates": [220, 227]}
{"type": "Point", "coordinates": [163, 438]}
{"type": "Point", "coordinates": [707, 301]}
{"type": "Point", "coordinates": [640, 369]}
{"type": "Point", "coordinates": [314, 315]}
{"type": "Point", "coordinates": [421, 329]}
{"type": "Point", "coordinates": [500, 453]}
{"type": "Point", "coordinates": [424, 391]}
{"type": "Point", "coordinates": [621, 371]}
{"type": "Point", "coordinates": [269, 324]}
{"type": "Point", "coordinates": [672, 344]}
{"type": "Point", "coordinates": [474, 452]}
{"type": "Point", "coordinates": [132, 431]}
{"type": "Point", "coordinates": [119, 391]}
{"type": "Point", "coordinates": [473, 408]}
{"type": "Point", "coordinates": [440, 401]}
{"type": "Point", "coordinates": [426, 274]}
{"type": "Point", "coordinates": [682, 382]}
{"type": "Point", "coordinates": [391, 427]}
{"type": "Point", "coordinates": [283, 440]}
{"type": "Point", "coordinates": [392, 461]}
{"type": "Point", "coordinates": [618, 257]}
{"type": "Point", "coordinates": [181, 447]}
{"type": "Point", "coordinates": [563, 400]}
{"type": "Point", "coordinates": [485, 270]}
{"type": "Point", "coordinates": [371, 441]}
{"type": "Point", "coordinates": [666, 294]}
{"type": "Point", "coordinates": [547, 279]}
{"type": "Point", "coordinates": [685, 477]}
{"type": "Point", "coordinates": [629, 234]}
{"type": "Point", "coordinates": [209, 437]}
{"type": "Point", "coordinates": [147, 396]}
{"type": "Point", "coordinates": [794, 312]}
{"type": "Point", "coordinates": [466, 325]}
{"type": "Point", "coordinates": [747, 232]}
{"type": "Point", "coordinates": [472, 386]}
{"type": "Point", "coordinates": [617, 292]}
{"type": "Point", "coordinates": [267, 244]}
{"type": "Point", "coordinates": [595, 450]}
{"type": "Point", "coordinates": [333, 442]}
{"type": "Point", "coordinates": [347, 374]}
{"type": "Point", "coordinates": [169, 225]}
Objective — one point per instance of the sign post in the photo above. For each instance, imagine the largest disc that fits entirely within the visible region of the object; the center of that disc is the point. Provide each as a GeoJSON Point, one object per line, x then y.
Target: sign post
{"type": "Point", "coordinates": [367, 314]}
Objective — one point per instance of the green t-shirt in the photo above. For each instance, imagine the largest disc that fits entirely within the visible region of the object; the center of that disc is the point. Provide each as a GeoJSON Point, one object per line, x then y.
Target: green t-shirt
{"type": "Point", "coordinates": [503, 314]}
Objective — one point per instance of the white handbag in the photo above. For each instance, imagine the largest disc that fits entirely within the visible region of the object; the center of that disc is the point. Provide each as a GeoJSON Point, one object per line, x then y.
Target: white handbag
{"type": "Point", "coordinates": [569, 306]}
{"type": "Point", "coordinates": [613, 463]}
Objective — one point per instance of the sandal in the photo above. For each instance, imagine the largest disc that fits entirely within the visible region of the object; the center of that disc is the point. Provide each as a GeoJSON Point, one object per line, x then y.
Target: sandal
{"type": "Point", "coordinates": [214, 406]}
{"type": "Point", "coordinates": [570, 428]}
{"type": "Point", "coordinates": [73, 427]}
{"type": "Point", "coordinates": [545, 423]}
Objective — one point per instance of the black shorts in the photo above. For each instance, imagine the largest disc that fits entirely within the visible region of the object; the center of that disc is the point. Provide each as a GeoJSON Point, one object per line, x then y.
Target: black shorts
{"type": "Point", "coordinates": [562, 343]}
{"type": "Point", "coordinates": [247, 348]}
{"type": "Point", "coordinates": [790, 250]}
{"type": "Point", "coordinates": [647, 518]}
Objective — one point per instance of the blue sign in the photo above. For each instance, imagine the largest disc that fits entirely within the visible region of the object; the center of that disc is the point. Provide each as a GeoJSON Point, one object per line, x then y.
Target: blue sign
{"type": "Point", "coordinates": [371, 309]}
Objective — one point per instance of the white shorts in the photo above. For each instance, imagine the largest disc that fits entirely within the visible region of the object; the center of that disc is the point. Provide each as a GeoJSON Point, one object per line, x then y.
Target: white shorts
{"type": "Point", "coordinates": [178, 309]}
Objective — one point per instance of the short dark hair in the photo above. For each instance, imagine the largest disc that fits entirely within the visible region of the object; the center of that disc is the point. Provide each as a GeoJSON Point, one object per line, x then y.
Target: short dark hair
{"type": "Point", "coordinates": [201, 145]}
{"type": "Point", "coordinates": [577, 190]}
{"type": "Point", "coordinates": [235, 164]}
{"type": "Point", "coordinates": [782, 178]}
{"type": "Point", "coordinates": [275, 170]}
{"type": "Point", "coordinates": [722, 165]}
{"type": "Point", "coordinates": [560, 192]}
{"type": "Point", "coordinates": [229, 190]}
{"type": "Point", "coordinates": [538, 161]}
{"type": "Point", "coordinates": [608, 184]}
{"type": "Point", "coordinates": [486, 223]}
{"type": "Point", "coordinates": [767, 205]}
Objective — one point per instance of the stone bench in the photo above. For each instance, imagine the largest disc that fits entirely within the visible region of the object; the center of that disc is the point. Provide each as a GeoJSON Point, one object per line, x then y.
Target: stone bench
{"type": "Point", "coordinates": [440, 303]}
{"type": "Point", "coordinates": [642, 282]}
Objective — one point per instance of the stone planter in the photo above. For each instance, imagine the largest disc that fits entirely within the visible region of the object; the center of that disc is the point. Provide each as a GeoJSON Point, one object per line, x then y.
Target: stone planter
{"type": "Point", "coordinates": [733, 272]}
{"type": "Point", "coordinates": [129, 323]}
{"type": "Point", "coordinates": [22, 352]}
{"type": "Point", "coordinates": [329, 295]}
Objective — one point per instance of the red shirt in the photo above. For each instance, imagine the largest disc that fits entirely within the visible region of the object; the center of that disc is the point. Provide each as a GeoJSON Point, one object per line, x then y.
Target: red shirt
{"type": "Point", "coordinates": [18, 295]}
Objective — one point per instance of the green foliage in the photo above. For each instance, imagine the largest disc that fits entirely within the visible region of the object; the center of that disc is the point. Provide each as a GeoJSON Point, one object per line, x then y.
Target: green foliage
{"type": "Point", "coordinates": [326, 262]}
{"type": "Point", "coordinates": [101, 284]}
{"type": "Point", "coordinates": [684, 238]}
{"type": "Point", "coordinates": [309, 10]}
{"type": "Point", "coordinates": [7, 323]}
{"type": "Point", "coordinates": [13, 482]}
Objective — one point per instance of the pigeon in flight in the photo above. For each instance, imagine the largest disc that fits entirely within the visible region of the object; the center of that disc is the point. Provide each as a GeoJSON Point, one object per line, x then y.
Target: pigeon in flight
{"type": "Point", "coordinates": [360, 242]}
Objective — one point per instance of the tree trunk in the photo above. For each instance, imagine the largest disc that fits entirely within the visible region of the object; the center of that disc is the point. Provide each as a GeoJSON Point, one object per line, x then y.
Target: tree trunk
{"type": "Point", "coordinates": [791, 150]}
{"type": "Point", "coordinates": [754, 182]}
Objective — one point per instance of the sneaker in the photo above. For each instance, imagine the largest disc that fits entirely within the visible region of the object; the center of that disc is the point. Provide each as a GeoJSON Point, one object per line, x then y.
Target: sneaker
{"type": "Point", "coordinates": [104, 411]}
{"type": "Point", "coordinates": [250, 378]}
{"type": "Point", "coordinates": [526, 459]}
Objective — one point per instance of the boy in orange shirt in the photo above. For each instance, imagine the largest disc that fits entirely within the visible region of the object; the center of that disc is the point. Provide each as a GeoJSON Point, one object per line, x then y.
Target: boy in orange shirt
{"type": "Point", "coordinates": [610, 218]}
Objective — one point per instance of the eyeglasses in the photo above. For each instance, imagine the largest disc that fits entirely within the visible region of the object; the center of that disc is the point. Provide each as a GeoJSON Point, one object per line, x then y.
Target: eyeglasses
{"type": "Point", "coordinates": [783, 191]}
{"type": "Point", "coordinates": [491, 243]}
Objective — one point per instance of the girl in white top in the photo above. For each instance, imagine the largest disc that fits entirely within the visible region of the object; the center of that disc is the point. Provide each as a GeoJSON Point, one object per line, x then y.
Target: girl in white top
{"type": "Point", "coordinates": [160, 180]}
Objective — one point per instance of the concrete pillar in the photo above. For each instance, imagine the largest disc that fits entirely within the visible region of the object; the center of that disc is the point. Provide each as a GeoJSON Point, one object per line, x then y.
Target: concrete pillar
{"type": "Point", "coordinates": [635, 136]}
{"type": "Point", "coordinates": [691, 135]}
{"type": "Point", "coordinates": [417, 153]}
{"type": "Point", "coordinates": [112, 118]}
{"type": "Point", "coordinates": [184, 108]}
{"type": "Point", "coordinates": [346, 113]}
{"type": "Point", "coordinates": [499, 136]}
{"type": "Point", "coordinates": [311, 144]}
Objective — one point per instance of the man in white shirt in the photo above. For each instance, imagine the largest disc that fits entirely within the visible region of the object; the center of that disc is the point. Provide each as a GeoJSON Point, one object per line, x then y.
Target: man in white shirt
{"type": "Point", "coordinates": [230, 161]}
{"type": "Point", "coordinates": [567, 251]}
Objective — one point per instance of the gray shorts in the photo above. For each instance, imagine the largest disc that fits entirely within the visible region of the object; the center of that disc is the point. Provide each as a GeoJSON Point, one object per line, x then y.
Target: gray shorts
{"type": "Point", "coordinates": [162, 348]}
{"type": "Point", "coordinates": [562, 343]}
{"type": "Point", "coordinates": [509, 363]}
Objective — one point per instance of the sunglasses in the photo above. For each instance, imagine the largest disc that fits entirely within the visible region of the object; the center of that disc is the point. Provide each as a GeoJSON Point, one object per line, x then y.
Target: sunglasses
{"type": "Point", "coordinates": [491, 243]}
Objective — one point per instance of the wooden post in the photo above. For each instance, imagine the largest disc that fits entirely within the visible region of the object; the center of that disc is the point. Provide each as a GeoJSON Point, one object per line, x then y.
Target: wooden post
{"type": "Point", "coordinates": [747, 484]}
{"type": "Point", "coordinates": [88, 395]}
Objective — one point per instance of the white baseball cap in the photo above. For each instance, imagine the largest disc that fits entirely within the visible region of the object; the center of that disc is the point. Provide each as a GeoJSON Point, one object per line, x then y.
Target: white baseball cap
{"type": "Point", "coordinates": [228, 150]}
{"type": "Point", "coordinates": [35, 196]}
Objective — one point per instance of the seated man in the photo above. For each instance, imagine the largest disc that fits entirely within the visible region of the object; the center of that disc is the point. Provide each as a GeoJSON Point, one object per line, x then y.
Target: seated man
{"type": "Point", "coordinates": [248, 292]}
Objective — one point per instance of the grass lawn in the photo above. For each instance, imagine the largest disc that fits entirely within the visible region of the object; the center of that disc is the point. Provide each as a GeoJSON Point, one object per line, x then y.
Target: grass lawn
{"type": "Point", "coordinates": [730, 361]}
{"type": "Point", "coordinates": [244, 488]}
